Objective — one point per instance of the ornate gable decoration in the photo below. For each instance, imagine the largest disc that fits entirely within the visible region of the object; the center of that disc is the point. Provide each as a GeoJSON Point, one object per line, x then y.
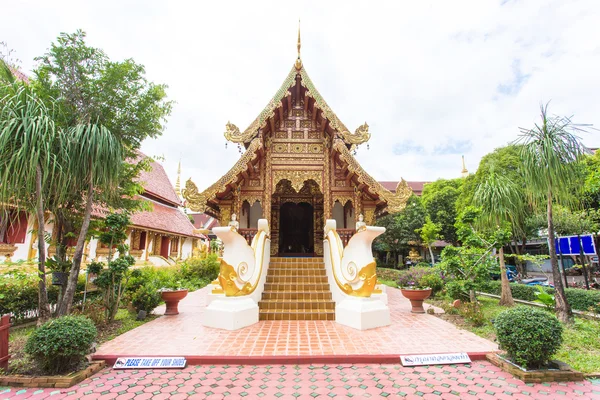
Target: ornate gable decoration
{"type": "Point", "coordinates": [395, 201]}
{"type": "Point", "coordinates": [233, 134]}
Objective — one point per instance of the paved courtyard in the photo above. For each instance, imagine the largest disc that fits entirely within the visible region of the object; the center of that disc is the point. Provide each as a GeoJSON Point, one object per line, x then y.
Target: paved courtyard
{"type": "Point", "coordinates": [481, 380]}
{"type": "Point", "coordinates": [184, 335]}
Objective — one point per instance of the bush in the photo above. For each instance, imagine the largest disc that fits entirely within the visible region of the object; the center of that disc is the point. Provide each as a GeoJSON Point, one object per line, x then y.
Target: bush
{"type": "Point", "coordinates": [206, 269]}
{"type": "Point", "coordinates": [529, 336]}
{"type": "Point", "coordinates": [458, 290]}
{"type": "Point", "coordinates": [146, 298]}
{"type": "Point", "coordinates": [61, 344]}
{"type": "Point", "coordinates": [579, 299]}
{"type": "Point", "coordinates": [434, 281]}
{"type": "Point", "coordinates": [472, 312]}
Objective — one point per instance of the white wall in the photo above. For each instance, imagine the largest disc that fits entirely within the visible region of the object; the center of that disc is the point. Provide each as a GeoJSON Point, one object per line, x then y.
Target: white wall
{"type": "Point", "coordinates": [255, 214]}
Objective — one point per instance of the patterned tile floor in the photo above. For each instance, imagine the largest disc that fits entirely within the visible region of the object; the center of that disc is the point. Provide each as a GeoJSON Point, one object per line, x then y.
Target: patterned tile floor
{"type": "Point", "coordinates": [184, 335]}
{"type": "Point", "coordinates": [480, 380]}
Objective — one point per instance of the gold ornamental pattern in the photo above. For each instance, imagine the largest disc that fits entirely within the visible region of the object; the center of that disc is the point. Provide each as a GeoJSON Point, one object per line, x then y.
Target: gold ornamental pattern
{"type": "Point", "coordinates": [395, 201]}
{"type": "Point", "coordinates": [197, 201]}
{"type": "Point", "coordinates": [297, 178]}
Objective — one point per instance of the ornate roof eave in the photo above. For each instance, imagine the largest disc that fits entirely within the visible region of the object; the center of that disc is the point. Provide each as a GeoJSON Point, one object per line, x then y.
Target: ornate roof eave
{"type": "Point", "coordinates": [199, 201]}
{"type": "Point", "coordinates": [233, 133]}
{"type": "Point", "coordinates": [395, 201]}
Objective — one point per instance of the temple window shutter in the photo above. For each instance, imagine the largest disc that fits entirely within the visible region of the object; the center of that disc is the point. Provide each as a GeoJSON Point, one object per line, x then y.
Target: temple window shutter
{"type": "Point", "coordinates": [17, 229]}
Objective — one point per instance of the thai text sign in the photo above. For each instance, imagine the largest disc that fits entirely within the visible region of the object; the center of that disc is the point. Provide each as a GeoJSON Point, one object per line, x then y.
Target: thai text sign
{"type": "Point", "coordinates": [434, 359]}
{"type": "Point", "coordinates": [149, 362]}
{"type": "Point", "coordinates": [571, 245]}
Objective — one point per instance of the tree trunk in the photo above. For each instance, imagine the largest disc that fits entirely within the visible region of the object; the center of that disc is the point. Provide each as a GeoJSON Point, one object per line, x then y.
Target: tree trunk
{"type": "Point", "coordinates": [506, 298]}
{"type": "Point", "coordinates": [67, 300]}
{"type": "Point", "coordinates": [43, 307]}
{"type": "Point", "coordinates": [431, 254]}
{"type": "Point", "coordinates": [563, 309]}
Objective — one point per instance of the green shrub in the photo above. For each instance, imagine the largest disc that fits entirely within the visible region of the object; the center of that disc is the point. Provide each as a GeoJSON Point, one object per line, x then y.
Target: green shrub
{"type": "Point", "coordinates": [201, 268]}
{"type": "Point", "coordinates": [472, 313]}
{"type": "Point", "coordinates": [61, 344]}
{"type": "Point", "coordinates": [146, 298]}
{"type": "Point", "coordinates": [434, 281]}
{"type": "Point", "coordinates": [583, 300]}
{"type": "Point", "coordinates": [579, 299]}
{"type": "Point", "coordinates": [529, 336]}
{"type": "Point", "coordinates": [458, 290]}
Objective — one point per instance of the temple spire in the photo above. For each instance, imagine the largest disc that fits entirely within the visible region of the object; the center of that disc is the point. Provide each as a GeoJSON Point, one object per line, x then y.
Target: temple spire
{"type": "Point", "coordinates": [299, 61]}
{"type": "Point", "coordinates": [464, 173]}
{"type": "Point", "coordinates": [178, 181]}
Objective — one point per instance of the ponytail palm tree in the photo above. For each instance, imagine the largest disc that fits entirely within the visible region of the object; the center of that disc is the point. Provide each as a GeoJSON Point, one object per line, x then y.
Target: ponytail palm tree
{"type": "Point", "coordinates": [501, 203]}
{"type": "Point", "coordinates": [95, 157]}
{"type": "Point", "coordinates": [550, 154]}
{"type": "Point", "coordinates": [29, 165]}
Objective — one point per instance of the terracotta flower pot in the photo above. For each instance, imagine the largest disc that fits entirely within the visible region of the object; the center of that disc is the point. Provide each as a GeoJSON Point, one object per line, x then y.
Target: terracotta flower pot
{"type": "Point", "coordinates": [172, 298]}
{"type": "Point", "coordinates": [416, 297]}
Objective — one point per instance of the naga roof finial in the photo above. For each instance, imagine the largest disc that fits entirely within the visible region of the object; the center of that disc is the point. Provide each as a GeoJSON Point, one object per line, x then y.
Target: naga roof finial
{"type": "Point", "coordinates": [299, 61]}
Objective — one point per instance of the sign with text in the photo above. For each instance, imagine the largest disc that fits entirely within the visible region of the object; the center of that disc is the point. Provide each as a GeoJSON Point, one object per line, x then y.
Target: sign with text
{"type": "Point", "coordinates": [435, 359]}
{"type": "Point", "coordinates": [571, 245]}
{"type": "Point", "coordinates": [149, 362]}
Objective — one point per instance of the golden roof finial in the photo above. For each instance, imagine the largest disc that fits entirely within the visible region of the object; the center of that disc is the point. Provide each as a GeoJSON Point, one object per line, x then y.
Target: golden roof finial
{"type": "Point", "coordinates": [464, 173]}
{"type": "Point", "coordinates": [299, 61]}
{"type": "Point", "coordinates": [178, 181]}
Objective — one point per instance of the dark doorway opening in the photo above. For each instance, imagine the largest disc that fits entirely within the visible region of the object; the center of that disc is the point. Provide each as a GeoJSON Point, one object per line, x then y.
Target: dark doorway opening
{"type": "Point", "coordinates": [296, 229]}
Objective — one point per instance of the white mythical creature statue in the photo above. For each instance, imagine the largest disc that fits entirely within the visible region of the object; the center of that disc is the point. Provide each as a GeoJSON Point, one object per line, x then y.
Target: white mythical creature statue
{"type": "Point", "coordinates": [352, 275]}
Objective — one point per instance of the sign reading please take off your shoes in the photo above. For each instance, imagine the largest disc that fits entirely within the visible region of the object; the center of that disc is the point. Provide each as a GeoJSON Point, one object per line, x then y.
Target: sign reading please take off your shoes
{"type": "Point", "coordinates": [434, 359]}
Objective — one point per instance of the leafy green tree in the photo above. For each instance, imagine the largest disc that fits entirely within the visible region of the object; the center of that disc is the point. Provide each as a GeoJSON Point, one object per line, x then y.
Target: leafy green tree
{"type": "Point", "coordinates": [97, 97]}
{"type": "Point", "coordinates": [29, 160]}
{"type": "Point", "coordinates": [550, 155]}
{"type": "Point", "coordinates": [440, 201]}
{"type": "Point", "coordinates": [429, 233]}
{"type": "Point", "coordinates": [505, 161]}
{"type": "Point", "coordinates": [401, 228]}
{"type": "Point", "coordinates": [501, 202]}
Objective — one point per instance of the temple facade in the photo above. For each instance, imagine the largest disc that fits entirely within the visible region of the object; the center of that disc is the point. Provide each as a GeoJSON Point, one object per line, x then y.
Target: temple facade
{"type": "Point", "coordinates": [297, 171]}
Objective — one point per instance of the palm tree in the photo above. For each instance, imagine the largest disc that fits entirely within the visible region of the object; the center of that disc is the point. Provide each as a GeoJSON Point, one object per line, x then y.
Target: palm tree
{"type": "Point", "coordinates": [550, 153]}
{"type": "Point", "coordinates": [501, 203]}
{"type": "Point", "coordinates": [29, 165]}
{"type": "Point", "coordinates": [95, 158]}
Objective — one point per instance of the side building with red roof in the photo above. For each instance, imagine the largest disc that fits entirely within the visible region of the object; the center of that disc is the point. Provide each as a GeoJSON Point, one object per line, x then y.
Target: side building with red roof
{"type": "Point", "coordinates": [158, 237]}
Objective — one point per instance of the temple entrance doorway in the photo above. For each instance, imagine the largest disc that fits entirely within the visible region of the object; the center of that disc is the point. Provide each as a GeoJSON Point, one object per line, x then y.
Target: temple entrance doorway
{"type": "Point", "coordinates": [296, 229]}
{"type": "Point", "coordinates": [297, 220]}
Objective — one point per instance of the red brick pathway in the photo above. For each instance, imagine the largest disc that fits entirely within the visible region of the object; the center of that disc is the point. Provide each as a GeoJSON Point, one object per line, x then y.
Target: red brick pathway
{"type": "Point", "coordinates": [184, 335]}
{"type": "Point", "coordinates": [481, 380]}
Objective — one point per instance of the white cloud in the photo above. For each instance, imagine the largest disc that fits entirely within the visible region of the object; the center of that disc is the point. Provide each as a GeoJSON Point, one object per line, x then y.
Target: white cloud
{"type": "Point", "coordinates": [429, 73]}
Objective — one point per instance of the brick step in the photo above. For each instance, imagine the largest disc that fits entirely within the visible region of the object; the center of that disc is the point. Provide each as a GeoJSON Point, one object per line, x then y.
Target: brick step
{"type": "Point", "coordinates": [296, 265]}
{"type": "Point", "coordinates": [286, 305]}
{"type": "Point", "coordinates": [295, 295]}
{"type": "Point", "coordinates": [293, 287]}
{"type": "Point", "coordinates": [297, 315]}
{"type": "Point", "coordinates": [298, 260]}
{"type": "Point", "coordinates": [296, 279]}
{"type": "Point", "coordinates": [296, 272]}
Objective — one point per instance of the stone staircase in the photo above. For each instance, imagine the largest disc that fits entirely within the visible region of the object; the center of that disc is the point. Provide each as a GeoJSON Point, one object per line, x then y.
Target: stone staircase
{"type": "Point", "coordinates": [296, 289]}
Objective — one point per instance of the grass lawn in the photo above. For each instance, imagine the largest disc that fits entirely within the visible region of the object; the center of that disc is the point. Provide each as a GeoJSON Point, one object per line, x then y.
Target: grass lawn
{"type": "Point", "coordinates": [581, 341]}
{"type": "Point", "coordinates": [20, 364]}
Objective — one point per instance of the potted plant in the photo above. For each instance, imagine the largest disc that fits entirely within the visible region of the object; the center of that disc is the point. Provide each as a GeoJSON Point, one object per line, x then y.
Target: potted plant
{"type": "Point", "coordinates": [172, 294]}
{"type": "Point", "coordinates": [414, 287]}
{"type": "Point", "coordinates": [60, 270]}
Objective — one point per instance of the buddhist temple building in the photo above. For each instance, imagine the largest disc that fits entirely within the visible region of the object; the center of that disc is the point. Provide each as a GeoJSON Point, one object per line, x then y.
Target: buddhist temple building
{"type": "Point", "coordinates": [297, 171]}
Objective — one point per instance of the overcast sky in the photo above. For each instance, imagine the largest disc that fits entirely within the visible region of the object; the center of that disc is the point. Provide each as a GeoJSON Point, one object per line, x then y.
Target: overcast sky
{"type": "Point", "coordinates": [434, 79]}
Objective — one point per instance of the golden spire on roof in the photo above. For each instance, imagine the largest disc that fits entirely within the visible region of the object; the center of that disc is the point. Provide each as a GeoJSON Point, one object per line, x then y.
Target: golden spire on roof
{"type": "Point", "coordinates": [299, 61]}
{"type": "Point", "coordinates": [464, 173]}
{"type": "Point", "coordinates": [178, 181]}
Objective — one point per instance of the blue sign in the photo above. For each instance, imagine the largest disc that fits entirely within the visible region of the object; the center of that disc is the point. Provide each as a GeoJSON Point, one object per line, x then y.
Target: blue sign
{"type": "Point", "coordinates": [150, 362]}
{"type": "Point", "coordinates": [571, 245]}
